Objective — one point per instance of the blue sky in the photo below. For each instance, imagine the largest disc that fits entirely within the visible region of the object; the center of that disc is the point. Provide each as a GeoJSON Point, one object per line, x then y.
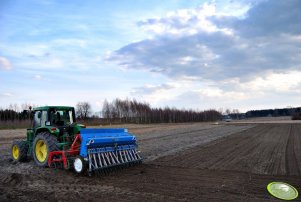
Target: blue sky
{"type": "Point", "coordinates": [187, 54]}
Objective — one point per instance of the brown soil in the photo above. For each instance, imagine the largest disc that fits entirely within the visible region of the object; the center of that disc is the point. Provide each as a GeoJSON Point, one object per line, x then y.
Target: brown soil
{"type": "Point", "coordinates": [234, 167]}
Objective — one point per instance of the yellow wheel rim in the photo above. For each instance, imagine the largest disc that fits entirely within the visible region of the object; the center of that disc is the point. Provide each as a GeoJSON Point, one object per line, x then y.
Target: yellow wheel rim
{"type": "Point", "coordinates": [41, 150]}
{"type": "Point", "coordinates": [15, 152]}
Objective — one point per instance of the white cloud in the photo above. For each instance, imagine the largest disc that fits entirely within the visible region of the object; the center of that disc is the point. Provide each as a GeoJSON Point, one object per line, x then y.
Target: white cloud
{"type": "Point", "coordinates": [215, 92]}
{"type": "Point", "coordinates": [224, 56]}
{"type": "Point", "coordinates": [37, 77]}
{"type": "Point", "coordinates": [185, 22]}
{"type": "Point", "coordinates": [70, 42]}
{"type": "Point", "coordinates": [5, 64]}
{"type": "Point", "coordinates": [7, 94]}
{"type": "Point", "coordinates": [52, 63]}
{"type": "Point", "coordinates": [267, 91]}
{"type": "Point", "coordinates": [153, 93]}
{"type": "Point", "coordinates": [228, 53]}
{"type": "Point", "coordinates": [211, 44]}
{"type": "Point", "coordinates": [152, 88]}
{"type": "Point", "coordinates": [275, 82]}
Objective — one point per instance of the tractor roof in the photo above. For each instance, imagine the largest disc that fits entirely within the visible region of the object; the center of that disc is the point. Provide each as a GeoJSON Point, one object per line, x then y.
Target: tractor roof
{"type": "Point", "coordinates": [55, 107]}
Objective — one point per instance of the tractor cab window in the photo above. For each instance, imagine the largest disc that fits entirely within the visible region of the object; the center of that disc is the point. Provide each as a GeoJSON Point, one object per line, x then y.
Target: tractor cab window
{"type": "Point", "coordinates": [61, 117]}
{"type": "Point", "coordinates": [37, 119]}
{"type": "Point", "coordinates": [67, 116]}
{"type": "Point", "coordinates": [43, 118]}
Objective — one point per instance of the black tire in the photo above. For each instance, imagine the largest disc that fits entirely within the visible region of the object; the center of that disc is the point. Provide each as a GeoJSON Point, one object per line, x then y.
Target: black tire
{"type": "Point", "coordinates": [51, 145]}
{"type": "Point", "coordinates": [21, 147]}
{"type": "Point", "coordinates": [79, 165]}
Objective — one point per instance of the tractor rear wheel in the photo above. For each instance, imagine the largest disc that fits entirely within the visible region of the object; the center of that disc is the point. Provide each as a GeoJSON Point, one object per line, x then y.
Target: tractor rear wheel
{"type": "Point", "coordinates": [43, 144]}
{"type": "Point", "coordinates": [19, 150]}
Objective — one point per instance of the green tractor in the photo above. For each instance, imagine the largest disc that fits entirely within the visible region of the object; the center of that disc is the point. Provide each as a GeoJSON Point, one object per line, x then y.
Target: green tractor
{"type": "Point", "coordinates": [55, 139]}
{"type": "Point", "coordinates": [53, 129]}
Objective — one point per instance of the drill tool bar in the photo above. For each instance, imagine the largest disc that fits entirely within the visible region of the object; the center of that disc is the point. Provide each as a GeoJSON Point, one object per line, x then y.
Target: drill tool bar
{"type": "Point", "coordinates": [106, 159]}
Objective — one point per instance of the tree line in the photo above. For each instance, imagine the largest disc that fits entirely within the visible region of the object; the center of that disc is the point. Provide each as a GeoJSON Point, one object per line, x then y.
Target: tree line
{"type": "Point", "coordinates": [132, 111]}
{"type": "Point", "coordinates": [11, 115]}
{"type": "Point", "coordinates": [289, 111]}
{"type": "Point", "coordinates": [15, 112]}
{"type": "Point", "coordinates": [121, 111]}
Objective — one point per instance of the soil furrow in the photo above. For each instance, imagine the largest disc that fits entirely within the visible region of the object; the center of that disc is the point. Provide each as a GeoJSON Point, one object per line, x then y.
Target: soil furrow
{"type": "Point", "coordinates": [192, 162]}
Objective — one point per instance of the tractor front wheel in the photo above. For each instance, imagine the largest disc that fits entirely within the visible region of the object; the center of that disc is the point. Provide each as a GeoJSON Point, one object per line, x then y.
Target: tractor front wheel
{"type": "Point", "coordinates": [19, 151]}
{"type": "Point", "coordinates": [43, 144]}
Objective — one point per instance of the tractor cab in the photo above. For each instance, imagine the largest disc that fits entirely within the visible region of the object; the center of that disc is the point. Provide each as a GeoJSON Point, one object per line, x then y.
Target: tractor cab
{"type": "Point", "coordinates": [53, 116]}
{"type": "Point", "coordinates": [59, 121]}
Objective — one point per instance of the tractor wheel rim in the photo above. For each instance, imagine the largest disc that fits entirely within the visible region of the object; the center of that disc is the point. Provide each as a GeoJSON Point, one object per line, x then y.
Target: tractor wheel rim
{"type": "Point", "coordinates": [78, 165]}
{"type": "Point", "coordinates": [41, 150]}
{"type": "Point", "coordinates": [15, 152]}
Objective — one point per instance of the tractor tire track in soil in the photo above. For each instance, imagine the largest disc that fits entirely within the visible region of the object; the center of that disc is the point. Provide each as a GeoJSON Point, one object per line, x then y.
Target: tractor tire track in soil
{"type": "Point", "coordinates": [258, 150]}
{"type": "Point", "coordinates": [160, 143]}
{"type": "Point", "coordinates": [219, 163]}
{"type": "Point", "coordinates": [291, 158]}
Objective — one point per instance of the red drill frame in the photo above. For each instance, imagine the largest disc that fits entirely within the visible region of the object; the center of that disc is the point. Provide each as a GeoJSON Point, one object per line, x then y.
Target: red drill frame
{"type": "Point", "coordinates": [73, 151]}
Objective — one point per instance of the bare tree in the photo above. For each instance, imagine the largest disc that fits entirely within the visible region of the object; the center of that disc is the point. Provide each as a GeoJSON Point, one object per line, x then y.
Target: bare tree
{"type": "Point", "coordinates": [228, 111]}
{"type": "Point", "coordinates": [83, 110]}
{"type": "Point", "coordinates": [106, 113]}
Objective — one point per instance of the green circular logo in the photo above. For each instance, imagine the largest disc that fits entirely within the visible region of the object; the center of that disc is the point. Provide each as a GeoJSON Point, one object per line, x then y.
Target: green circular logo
{"type": "Point", "coordinates": [282, 190]}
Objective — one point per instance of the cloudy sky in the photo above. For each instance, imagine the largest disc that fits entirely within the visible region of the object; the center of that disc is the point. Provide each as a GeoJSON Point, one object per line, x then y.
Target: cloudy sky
{"type": "Point", "coordinates": [238, 54]}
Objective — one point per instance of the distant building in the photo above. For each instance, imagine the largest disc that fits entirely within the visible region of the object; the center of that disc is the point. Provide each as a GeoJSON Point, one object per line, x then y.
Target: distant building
{"type": "Point", "coordinates": [227, 118]}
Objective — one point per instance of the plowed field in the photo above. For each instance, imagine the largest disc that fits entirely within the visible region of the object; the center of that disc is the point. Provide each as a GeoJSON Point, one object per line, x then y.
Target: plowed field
{"type": "Point", "coordinates": [187, 162]}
